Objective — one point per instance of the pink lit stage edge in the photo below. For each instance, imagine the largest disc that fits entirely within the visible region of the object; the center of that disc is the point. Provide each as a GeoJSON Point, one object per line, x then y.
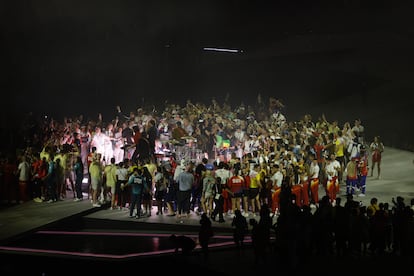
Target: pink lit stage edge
{"type": "Point", "coordinates": [98, 245]}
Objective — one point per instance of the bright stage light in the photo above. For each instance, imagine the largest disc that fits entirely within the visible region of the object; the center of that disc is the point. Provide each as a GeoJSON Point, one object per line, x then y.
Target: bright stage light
{"type": "Point", "coordinates": [222, 50]}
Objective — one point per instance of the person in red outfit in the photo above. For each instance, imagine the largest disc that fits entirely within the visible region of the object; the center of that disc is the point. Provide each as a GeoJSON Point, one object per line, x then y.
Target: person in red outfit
{"type": "Point", "coordinates": [362, 162]}
{"type": "Point", "coordinates": [314, 181]}
{"type": "Point", "coordinates": [304, 184]}
{"type": "Point", "coordinates": [236, 185]}
{"type": "Point", "coordinates": [277, 178]}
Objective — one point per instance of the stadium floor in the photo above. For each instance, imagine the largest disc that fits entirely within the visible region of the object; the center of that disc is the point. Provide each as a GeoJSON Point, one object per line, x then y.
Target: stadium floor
{"type": "Point", "coordinates": [69, 237]}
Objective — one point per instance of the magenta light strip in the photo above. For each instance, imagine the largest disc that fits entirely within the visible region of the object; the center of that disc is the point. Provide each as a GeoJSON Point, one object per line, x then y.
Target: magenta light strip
{"type": "Point", "coordinates": [111, 256]}
{"type": "Point", "coordinates": [120, 234]}
{"type": "Point", "coordinates": [107, 256]}
{"type": "Point", "coordinates": [83, 254]}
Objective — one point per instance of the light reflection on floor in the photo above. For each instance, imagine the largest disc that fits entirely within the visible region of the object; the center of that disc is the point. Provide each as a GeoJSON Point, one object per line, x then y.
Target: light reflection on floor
{"type": "Point", "coordinates": [112, 245]}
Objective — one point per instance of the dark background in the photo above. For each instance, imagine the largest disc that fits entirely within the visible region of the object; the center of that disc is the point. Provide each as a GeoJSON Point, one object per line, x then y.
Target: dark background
{"type": "Point", "coordinates": [347, 59]}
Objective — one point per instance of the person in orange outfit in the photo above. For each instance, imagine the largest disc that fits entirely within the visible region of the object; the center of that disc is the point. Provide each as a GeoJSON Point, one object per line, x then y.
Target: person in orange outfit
{"type": "Point", "coordinates": [277, 178]}
{"type": "Point", "coordinates": [304, 183]}
{"type": "Point", "coordinates": [314, 181]}
{"type": "Point", "coordinates": [332, 169]}
{"type": "Point", "coordinates": [297, 192]}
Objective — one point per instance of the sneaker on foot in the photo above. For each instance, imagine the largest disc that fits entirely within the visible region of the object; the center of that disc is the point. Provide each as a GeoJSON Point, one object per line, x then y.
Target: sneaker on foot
{"type": "Point", "coordinates": [38, 200]}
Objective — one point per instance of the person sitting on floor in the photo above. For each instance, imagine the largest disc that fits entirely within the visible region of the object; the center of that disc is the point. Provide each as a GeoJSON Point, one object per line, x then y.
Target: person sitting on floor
{"type": "Point", "coordinates": [183, 243]}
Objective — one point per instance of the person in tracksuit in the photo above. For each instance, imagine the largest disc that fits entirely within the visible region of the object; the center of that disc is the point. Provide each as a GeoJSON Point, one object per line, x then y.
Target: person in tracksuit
{"type": "Point", "coordinates": [138, 185]}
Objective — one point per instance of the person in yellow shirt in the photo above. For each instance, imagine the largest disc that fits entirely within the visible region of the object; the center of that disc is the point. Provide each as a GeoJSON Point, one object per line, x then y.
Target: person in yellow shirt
{"type": "Point", "coordinates": [110, 181]}
{"type": "Point", "coordinates": [95, 170]}
{"type": "Point", "coordinates": [372, 207]}
{"type": "Point", "coordinates": [254, 188]}
{"type": "Point", "coordinates": [340, 153]}
{"type": "Point", "coordinates": [45, 153]}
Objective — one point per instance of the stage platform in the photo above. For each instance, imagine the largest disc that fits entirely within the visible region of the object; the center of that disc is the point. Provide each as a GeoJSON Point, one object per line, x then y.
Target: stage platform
{"type": "Point", "coordinates": [76, 233]}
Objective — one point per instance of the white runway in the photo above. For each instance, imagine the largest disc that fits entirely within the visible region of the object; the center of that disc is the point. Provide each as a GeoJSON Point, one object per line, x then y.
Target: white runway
{"type": "Point", "coordinates": [397, 178]}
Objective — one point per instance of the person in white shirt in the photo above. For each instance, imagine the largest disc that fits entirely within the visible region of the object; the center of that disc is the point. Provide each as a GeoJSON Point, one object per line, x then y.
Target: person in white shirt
{"type": "Point", "coordinates": [332, 169]}
{"type": "Point", "coordinates": [23, 171]}
{"type": "Point", "coordinates": [240, 137]}
{"type": "Point", "coordinates": [98, 141]}
{"type": "Point", "coordinates": [358, 129]}
{"type": "Point", "coordinates": [276, 178]}
{"type": "Point", "coordinates": [224, 173]}
{"type": "Point", "coordinates": [179, 169]}
{"type": "Point", "coordinates": [122, 179]}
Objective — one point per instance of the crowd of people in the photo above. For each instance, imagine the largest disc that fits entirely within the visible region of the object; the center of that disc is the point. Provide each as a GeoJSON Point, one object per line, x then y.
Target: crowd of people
{"type": "Point", "coordinates": [212, 159]}
{"type": "Point", "coordinates": [255, 142]}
